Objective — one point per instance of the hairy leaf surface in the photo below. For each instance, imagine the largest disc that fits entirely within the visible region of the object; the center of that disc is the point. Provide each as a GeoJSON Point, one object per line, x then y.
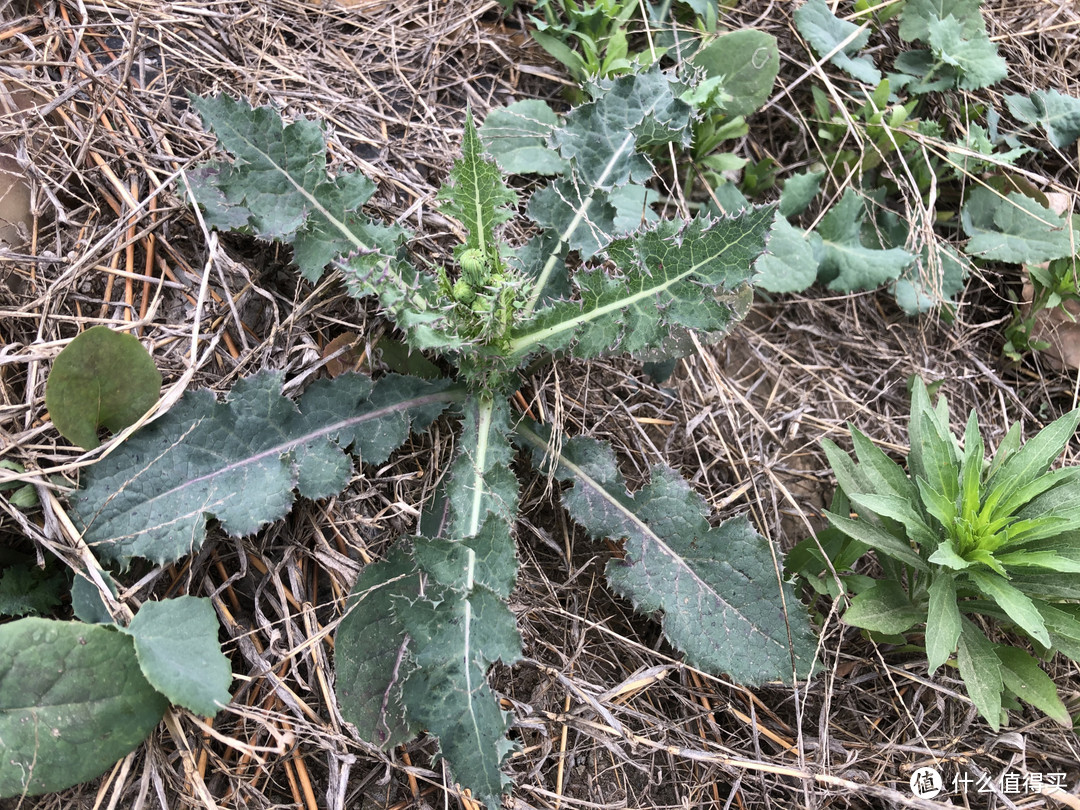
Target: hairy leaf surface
{"type": "Point", "coordinates": [672, 274]}
{"type": "Point", "coordinates": [278, 187]}
{"type": "Point", "coordinates": [722, 602]}
{"type": "Point", "coordinates": [475, 195]}
{"type": "Point", "coordinates": [454, 637]}
{"type": "Point", "coordinates": [240, 460]}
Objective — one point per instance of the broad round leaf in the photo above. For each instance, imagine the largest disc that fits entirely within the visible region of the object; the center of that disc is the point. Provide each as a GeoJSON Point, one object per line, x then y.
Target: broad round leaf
{"type": "Point", "coordinates": [176, 643]}
{"type": "Point", "coordinates": [102, 378]}
{"type": "Point", "coordinates": [72, 702]}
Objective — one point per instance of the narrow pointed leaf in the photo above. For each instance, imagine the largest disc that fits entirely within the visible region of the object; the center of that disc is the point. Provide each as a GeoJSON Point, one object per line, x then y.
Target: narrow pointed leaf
{"type": "Point", "coordinates": [942, 621]}
{"type": "Point", "coordinates": [878, 539]}
{"type": "Point", "coordinates": [1016, 604]}
{"type": "Point", "coordinates": [1014, 484]}
{"type": "Point", "coordinates": [980, 669]}
{"type": "Point", "coordinates": [716, 586]}
{"type": "Point", "coordinates": [475, 194]}
{"type": "Point", "coordinates": [240, 460]}
{"type": "Point", "coordinates": [1023, 677]}
{"type": "Point", "coordinates": [671, 271]}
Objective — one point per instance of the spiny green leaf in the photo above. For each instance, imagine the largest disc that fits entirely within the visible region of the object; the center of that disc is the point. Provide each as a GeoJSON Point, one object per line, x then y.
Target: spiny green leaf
{"type": "Point", "coordinates": [240, 460]}
{"type": "Point", "coordinates": [178, 651]}
{"type": "Point", "coordinates": [481, 482]}
{"type": "Point", "coordinates": [583, 217]}
{"type": "Point", "coordinates": [1014, 229]}
{"type": "Point", "coordinates": [845, 263]}
{"type": "Point", "coordinates": [454, 638]}
{"type": "Point", "coordinates": [670, 274]}
{"type": "Point", "coordinates": [1057, 113]}
{"type": "Point", "coordinates": [85, 392]}
{"type": "Point", "coordinates": [717, 587]}
{"type": "Point", "coordinates": [632, 112]}
{"type": "Point", "coordinates": [370, 652]}
{"type": "Point", "coordinates": [827, 33]}
{"type": "Point", "coordinates": [476, 196]}
{"type": "Point", "coordinates": [280, 189]}
{"type": "Point", "coordinates": [516, 136]}
{"type": "Point", "coordinates": [72, 702]}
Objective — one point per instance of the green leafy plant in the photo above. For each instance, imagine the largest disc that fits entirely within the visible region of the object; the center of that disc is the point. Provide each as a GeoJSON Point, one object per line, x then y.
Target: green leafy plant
{"type": "Point", "coordinates": [77, 696]}
{"type": "Point", "coordinates": [963, 543]}
{"type": "Point", "coordinates": [423, 626]}
{"type": "Point", "coordinates": [592, 39]}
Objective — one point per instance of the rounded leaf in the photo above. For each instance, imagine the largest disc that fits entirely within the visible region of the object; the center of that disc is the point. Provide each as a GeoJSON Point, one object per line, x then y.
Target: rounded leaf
{"type": "Point", "coordinates": [176, 643]}
{"type": "Point", "coordinates": [72, 702]}
{"type": "Point", "coordinates": [102, 378]}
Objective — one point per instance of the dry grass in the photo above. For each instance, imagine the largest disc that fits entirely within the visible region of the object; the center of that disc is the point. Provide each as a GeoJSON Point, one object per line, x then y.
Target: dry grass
{"type": "Point", "coordinates": [605, 713]}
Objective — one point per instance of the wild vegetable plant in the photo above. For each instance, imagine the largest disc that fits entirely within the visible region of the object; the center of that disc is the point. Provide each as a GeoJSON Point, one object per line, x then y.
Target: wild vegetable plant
{"type": "Point", "coordinates": [601, 275]}
{"type": "Point", "coordinates": [964, 543]}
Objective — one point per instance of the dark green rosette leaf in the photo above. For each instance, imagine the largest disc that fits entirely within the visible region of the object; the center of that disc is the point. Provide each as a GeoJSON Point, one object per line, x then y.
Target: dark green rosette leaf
{"type": "Point", "coordinates": [72, 702]}
{"type": "Point", "coordinates": [1057, 113]}
{"type": "Point", "coordinates": [717, 587]}
{"type": "Point", "coordinates": [101, 379]}
{"type": "Point", "coordinates": [241, 459]}
{"type": "Point", "coordinates": [828, 34]}
{"type": "Point", "coordinates": [1014, 228]}
{"type": "Point", "coordinates": [370, 652]}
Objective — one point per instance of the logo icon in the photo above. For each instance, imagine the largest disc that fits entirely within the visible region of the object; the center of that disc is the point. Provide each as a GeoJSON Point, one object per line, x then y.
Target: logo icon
{"type": "Point", "coordinates": [926, 783]}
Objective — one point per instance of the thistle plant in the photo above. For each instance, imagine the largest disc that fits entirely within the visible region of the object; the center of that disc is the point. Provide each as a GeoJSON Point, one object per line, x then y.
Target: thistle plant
{"type": "Point", "coordinates": [422, 627]}
{"type": "Point", "coordinates": [962, 539]}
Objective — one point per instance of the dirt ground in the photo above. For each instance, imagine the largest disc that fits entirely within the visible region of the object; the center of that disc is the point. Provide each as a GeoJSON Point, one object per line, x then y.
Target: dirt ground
{"type": "Point", "coordinates": [96, 99]}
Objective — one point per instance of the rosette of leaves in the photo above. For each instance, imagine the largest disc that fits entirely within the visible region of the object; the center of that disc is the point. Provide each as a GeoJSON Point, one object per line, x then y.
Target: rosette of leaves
{"type": "Point", "coordinates": [964, 543]}
{"type": "Point", "coordinates": [423, 626]}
